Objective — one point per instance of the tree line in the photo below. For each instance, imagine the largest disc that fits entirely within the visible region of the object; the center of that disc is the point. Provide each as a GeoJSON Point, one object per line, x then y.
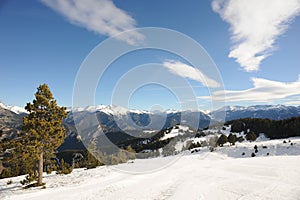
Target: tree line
{"type": "Point", "coordinates": [273, 129]}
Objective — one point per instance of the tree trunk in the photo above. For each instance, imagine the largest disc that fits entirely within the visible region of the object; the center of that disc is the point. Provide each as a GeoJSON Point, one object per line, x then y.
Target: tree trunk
{"type": "Point", "coordinates": [36, 168]}
{"type": "Point", "coordinates": [40, 171]}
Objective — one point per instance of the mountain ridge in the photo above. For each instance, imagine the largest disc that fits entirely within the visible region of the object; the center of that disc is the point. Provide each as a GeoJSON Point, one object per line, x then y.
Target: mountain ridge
{"type": "Point", "coordinates": [115, 109]}
{"type": "Point", "coordinates": [115, 118]}
{"type": "Point", "coordinates": [15, 109]}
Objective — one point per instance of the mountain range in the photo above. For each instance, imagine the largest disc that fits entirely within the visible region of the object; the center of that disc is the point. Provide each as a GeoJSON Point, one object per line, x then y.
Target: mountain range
{"type": "Point", "coordinates": [94, 120]}
{"type": "Point", "coordinates": [115, 116]}
{"type": "Point", "coordinates": [143, 130]}
{"type": "Point", "coordinates": [108, 115]}
{"type": "Point", "coordinates": [274, 112]}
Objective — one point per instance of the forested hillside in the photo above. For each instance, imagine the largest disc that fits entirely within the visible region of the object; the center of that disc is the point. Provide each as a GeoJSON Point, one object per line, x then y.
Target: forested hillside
{"type": "Point", "coordinates": [274, 129]}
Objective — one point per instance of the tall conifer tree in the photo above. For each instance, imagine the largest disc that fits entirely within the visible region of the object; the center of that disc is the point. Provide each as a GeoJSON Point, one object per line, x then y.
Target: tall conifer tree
{"type": "Point", "coordinates": [43, 126]}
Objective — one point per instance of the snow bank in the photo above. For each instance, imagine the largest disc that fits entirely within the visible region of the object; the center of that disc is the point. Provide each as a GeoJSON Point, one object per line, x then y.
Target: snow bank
{"type": "Point", "coordinates": [195, 176]}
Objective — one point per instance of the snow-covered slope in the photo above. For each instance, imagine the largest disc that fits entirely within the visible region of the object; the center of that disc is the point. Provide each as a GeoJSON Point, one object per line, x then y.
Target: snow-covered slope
{"type": "Point", "coordinates": [229, 172]}
{"type": "Point", "coordinates": [175, 131]}
{"type": "Point", "coordinates": [197, 176]}
{"type": "Point", "coordinates": [244, 149]}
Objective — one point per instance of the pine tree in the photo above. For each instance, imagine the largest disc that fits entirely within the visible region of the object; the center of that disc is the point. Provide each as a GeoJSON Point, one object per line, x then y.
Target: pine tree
{"type": "Point", "coordinates": [43, 127]}
{"type": "Point", "coordinates": [232, 138]}
{"type": "Point", "coordinates": [222, 140]}
{"type": "Point", "coordinates": [19, 158]}
{"type": "Point", "coordinates": [130, 152]}
{"type": "Point", "coordinates": [251, 136]}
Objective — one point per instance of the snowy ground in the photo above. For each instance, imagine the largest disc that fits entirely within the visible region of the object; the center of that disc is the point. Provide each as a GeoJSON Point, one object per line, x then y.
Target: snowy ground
{"type": "Point", "coordinates": [203, 175]}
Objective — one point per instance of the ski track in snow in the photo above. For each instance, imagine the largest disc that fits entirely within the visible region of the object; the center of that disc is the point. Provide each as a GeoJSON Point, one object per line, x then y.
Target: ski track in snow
{"type": "Point", "coordinates": [196, 176]}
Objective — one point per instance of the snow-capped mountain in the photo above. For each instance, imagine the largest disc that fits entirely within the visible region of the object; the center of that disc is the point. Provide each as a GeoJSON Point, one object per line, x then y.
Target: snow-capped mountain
{"type": "Point", "coordinates": [114, 117]}
{"type": "Point", "coordinates": [115, 110]}
{"type": "Point", "coordinates": [132, 119]}
{"type": "Point", "coordinates": [87, 108]}
{"type": "Point", "coordinates": [276, 112]}
{"type": "Point", "coordinates": [15, 109]}
{"type": "Point", "coordinates": [10, 122]}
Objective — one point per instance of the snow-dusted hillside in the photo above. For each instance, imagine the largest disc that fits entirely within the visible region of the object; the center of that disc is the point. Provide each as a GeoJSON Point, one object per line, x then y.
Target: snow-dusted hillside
{"type": "Point", "coordinates": [229, 172]}
{"type": "Point", "coordinates": [195, 176]}
{"type": "Point", "coordinates": [265, 146]}
{"type": "Point", "coordinates": [175, 131]}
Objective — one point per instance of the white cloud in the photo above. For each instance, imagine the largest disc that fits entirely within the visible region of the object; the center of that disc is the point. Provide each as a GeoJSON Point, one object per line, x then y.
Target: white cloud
{"type": "Point", "coordinates": [187, 71]}
{"type": "Point", "coordinates": [255, 25]}
{"type": "Point", "coordinates": [293, 103]}
{"type": "Point", "coordinates": [263, 91]}
{"type": "Point", "coordinates": [100, 16]}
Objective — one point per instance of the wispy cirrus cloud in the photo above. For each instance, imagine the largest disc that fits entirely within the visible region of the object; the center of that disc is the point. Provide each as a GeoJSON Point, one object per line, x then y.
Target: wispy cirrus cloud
{"type": "Point", "coordinates": [100, 16]}
{"type": "Point", "coordinates": [293, 103]}
{"type": "Point", "coordinates": [186, 71]}
{"type": "Point", "coordinates": [255, 25]}
{"type": "Point", "coordinates": [263, 90]}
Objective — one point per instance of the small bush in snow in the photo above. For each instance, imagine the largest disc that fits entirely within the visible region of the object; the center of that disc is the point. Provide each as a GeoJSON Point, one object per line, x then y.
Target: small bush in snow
{"type": "Point", "coordinates": [232, 138]}
{"type": "Point", "coordinates": [222, 140]}
{"type": "Point", "coordinates": [240, 139]}
{"type": "Point", "coordinates": [6, 172]}
{"type": "Point", "coordinates": [29, 178]}
{"type": "Point", "coordinates": [251, 136]}
{"type": "Point", "coordinates": [64, 168]}
{"type": "Point", "coordinates": [194, 145]}
{"type": "Point", "coordinates": [200, 134]}
{"type": "Point", "coordinates": [195, 150]}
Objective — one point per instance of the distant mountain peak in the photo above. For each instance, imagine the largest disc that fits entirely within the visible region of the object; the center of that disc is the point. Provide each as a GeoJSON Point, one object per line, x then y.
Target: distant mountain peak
{"type": "Point", "coordinates": [256, 107]}
{"type": "Point", "coordinates": [15, 109]}
{"type": "Point", "coordinates": [275, 112]}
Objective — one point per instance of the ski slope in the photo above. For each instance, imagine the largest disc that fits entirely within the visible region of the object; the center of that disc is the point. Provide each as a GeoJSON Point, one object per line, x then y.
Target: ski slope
{"type": "Point", "coordinates": [197, 176]}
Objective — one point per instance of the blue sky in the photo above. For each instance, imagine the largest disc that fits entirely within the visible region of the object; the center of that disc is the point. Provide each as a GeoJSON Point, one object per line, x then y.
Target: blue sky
{"type": "Point", "coordinates": [254, 45]}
